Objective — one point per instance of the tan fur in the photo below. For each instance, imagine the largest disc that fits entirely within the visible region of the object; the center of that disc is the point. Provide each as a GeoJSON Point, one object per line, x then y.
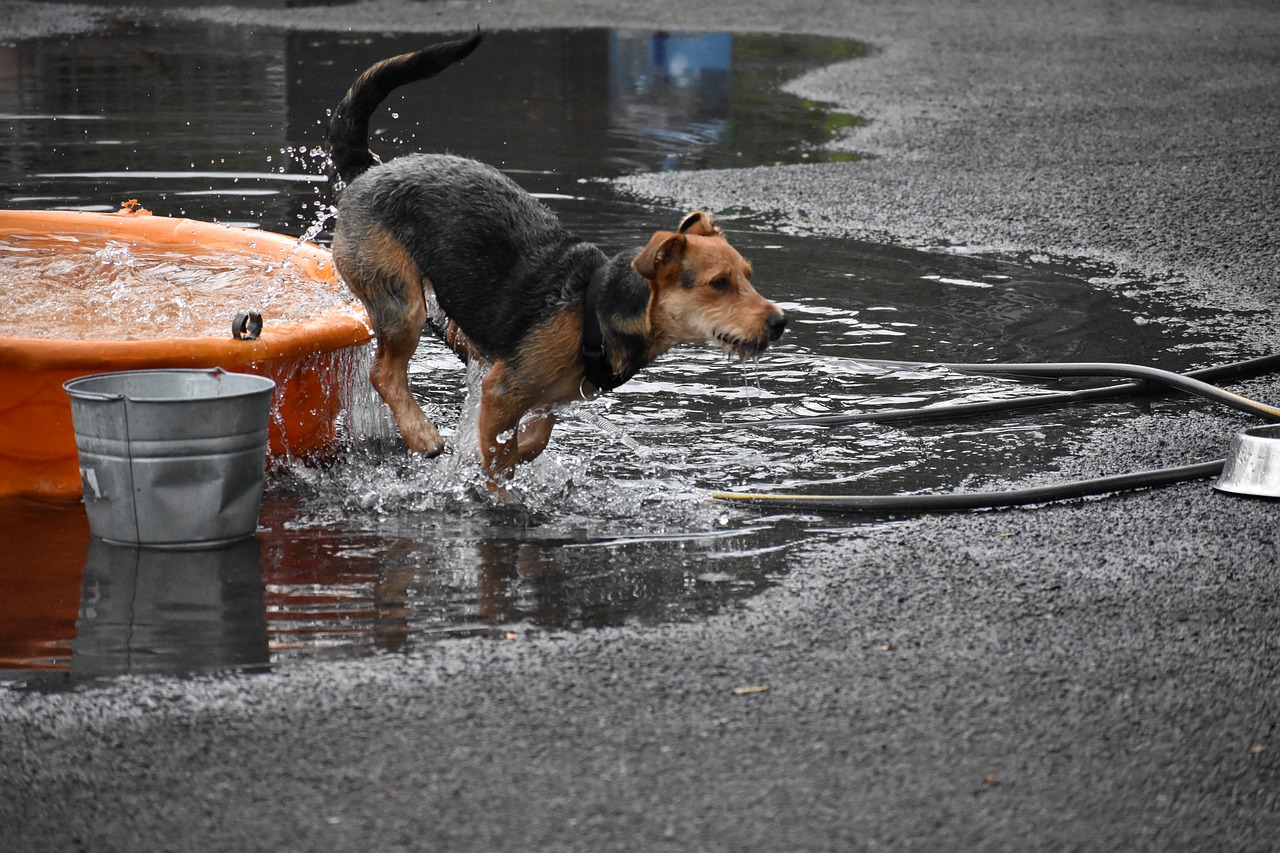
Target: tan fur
{"type": "Point", "coordinates": [734, 316]}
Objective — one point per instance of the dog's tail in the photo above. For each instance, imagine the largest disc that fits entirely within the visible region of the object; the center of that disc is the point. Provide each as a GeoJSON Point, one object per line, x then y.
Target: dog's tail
{"type": "Point", "coordinates": [349, 124]}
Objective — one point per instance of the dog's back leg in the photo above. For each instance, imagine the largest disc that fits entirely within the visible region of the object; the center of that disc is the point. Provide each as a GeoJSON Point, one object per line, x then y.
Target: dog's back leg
{"type": "Point", "coordinates": [380, 272]}
{"type": "Point", "coordinates": [390, 376]}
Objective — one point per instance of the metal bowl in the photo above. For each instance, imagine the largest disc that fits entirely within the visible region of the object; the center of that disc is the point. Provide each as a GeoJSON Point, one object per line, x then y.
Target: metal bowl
{"type": "Point", "coordinates": [1253, 463]}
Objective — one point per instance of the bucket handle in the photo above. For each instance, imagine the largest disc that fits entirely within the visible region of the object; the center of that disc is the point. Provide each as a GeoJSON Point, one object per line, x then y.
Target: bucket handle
{"type": "Point", "coordinates": [95, 395]}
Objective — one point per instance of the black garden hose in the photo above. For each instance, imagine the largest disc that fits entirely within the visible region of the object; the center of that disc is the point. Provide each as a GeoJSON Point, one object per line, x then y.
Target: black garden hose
{"type": "Point", "coordinates": [1248, 367]}
{"type": "Point", "coordinates": [1131, 371]}
{"type": "Point", "coordinates": [962, 501]}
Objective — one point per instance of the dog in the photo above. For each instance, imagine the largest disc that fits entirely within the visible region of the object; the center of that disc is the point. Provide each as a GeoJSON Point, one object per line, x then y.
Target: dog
{"type": "Point", "coordinates": [451, 243]}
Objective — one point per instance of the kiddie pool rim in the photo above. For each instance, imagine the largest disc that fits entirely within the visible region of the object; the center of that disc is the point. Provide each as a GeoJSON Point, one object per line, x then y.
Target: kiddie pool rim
{"type": "Point", "coordinates": [37, 442]}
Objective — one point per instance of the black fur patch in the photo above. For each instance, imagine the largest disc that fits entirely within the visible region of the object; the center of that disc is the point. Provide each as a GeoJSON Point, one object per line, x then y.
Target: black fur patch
{"type": "Point", "coordinates": [500, 264]}
{"type": "Point", "coordinates": [626, 307]}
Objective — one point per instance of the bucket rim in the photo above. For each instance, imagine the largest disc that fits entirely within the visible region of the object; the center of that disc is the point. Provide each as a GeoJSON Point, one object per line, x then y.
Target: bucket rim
{"type": "Point", "coordinates": [1267, 431]}
{"type": "Point", "coordinates": [265, 384]}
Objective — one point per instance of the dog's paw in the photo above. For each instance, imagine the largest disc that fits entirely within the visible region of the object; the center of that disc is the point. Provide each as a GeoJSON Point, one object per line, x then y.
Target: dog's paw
{"type": "Point", "coordinates": [424, 438]}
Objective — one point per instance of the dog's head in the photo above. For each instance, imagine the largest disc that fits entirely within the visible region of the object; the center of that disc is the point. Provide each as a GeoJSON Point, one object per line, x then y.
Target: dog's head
{"type": "Point", "coordinates": [701, 291]}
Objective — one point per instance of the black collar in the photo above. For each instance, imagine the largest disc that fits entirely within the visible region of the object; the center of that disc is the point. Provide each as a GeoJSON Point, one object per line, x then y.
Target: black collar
{"type": "Point", "coordinates": [596, 366]}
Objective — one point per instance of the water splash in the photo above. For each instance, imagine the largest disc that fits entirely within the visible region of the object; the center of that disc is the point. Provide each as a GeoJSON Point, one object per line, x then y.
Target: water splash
{"type": "Point", "coordinates": [105, 289]}
{"type": "Point", "coordinates": [325, 214]}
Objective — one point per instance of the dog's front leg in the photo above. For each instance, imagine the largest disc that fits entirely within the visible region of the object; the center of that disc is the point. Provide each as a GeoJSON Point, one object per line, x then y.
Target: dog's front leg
{"type": "Point", "coordinates": [534, 434]}
{"type": "Point", "coordinates": [499, 419]}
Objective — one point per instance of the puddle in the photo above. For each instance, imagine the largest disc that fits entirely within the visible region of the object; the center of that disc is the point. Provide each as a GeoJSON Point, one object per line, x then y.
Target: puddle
{"type": "Point", "coordinates": [227, 124]}
{"type": "Point", "coordinates": [378, 552]}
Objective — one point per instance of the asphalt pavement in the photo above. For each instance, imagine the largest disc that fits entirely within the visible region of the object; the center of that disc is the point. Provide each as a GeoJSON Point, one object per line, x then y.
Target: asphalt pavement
{"type": "Point", "coordinates": [1098, 675]}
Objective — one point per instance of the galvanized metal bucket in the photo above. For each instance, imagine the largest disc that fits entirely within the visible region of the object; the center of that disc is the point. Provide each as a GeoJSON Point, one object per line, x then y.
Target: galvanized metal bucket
{"type": "Point", "coordinates": [172, 458]}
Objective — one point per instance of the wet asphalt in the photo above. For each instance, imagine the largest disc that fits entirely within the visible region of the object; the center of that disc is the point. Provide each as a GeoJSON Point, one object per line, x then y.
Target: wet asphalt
{"type": "Point", "coordinates": [1101, 675]}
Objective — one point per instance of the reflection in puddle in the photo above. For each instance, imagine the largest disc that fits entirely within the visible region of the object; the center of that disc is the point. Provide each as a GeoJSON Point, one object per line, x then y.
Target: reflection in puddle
{"type": "Point", "coordinates": [42, 551]}
{"type": "Point", "coordinates": [342, 587]}
{"type": "Point", "coordinates": [376, 551]}
{"type": "Point", "coordinates": [227, 123]}
{"type": "Point", "coordinates": [712, 101]}
{"type": "Point", "coordinates": [144, 610]}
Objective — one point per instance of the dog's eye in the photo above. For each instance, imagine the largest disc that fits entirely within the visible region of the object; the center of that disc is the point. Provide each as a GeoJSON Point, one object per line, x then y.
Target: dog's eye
{"type": "Point", "coordinates": [721, 283]}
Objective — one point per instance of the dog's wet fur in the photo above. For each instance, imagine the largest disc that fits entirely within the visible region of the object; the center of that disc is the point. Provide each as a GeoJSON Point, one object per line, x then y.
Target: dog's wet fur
{"type": "Point", "coordinates": [443, 241]}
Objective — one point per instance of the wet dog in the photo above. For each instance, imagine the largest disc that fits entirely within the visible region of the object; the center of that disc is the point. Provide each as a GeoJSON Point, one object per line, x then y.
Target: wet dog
{"type": "Point", "coordinates": [446, 242]}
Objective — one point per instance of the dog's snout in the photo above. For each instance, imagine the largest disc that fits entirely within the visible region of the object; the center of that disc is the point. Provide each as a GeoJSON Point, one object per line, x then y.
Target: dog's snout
{"type": "Point", "coordinates": [776, 323]}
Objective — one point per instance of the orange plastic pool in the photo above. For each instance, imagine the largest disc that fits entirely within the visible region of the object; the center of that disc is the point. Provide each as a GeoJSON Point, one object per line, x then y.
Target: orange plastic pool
{"type": "Point", "coordinates": [308, 359]}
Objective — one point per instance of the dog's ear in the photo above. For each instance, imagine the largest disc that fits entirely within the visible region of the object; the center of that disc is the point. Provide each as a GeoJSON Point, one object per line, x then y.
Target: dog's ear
{"type": "Point", "coordinates": [664, 248]}
{"type": "Point", "coordinates": [699, 223]}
